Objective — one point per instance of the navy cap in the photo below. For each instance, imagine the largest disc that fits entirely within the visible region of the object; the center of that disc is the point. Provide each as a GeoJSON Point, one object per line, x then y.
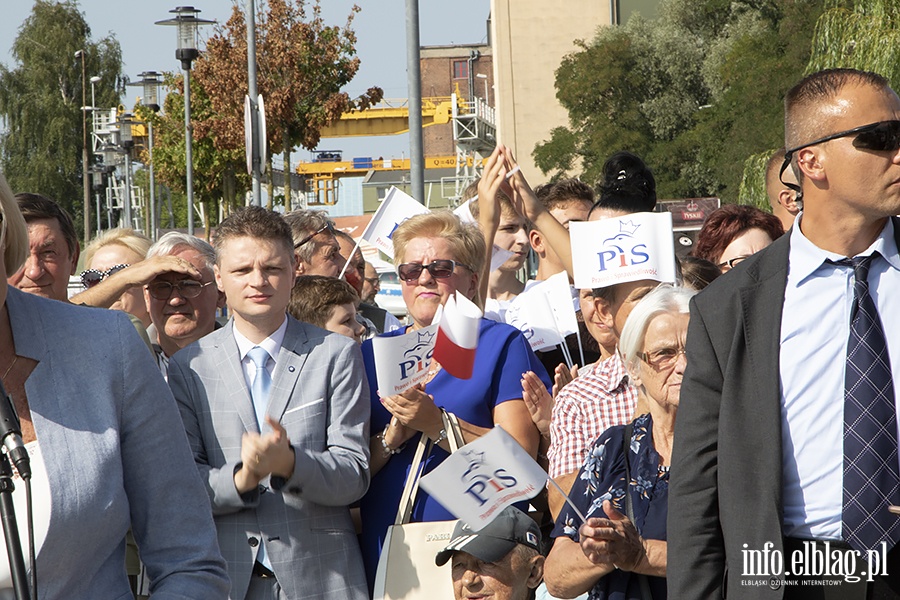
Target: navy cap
{"type": "Point", "coordinates": [495, 540]}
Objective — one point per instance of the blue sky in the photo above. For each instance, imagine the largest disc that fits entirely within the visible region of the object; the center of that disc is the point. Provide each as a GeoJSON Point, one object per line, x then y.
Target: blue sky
{"type": "Point", "coordinates": [380, 29]}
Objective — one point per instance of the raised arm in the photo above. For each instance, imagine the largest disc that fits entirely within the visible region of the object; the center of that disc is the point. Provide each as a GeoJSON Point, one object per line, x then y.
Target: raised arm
{"type": "Point", "coordinates": [105, 293]}
{"type": "Point", "coordinates": [491, 180]}
{"type": "Point", "coordinates": [528, 205]}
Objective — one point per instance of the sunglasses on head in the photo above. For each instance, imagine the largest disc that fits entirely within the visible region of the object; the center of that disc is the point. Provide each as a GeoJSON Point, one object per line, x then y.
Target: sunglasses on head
{"type": "Point", "coordinates": [439, 269]}
{"type": "Point", "coordinates": [187, 288]}
{"type": "Point", "coordinates": [878, 137]}
{"type": "Point", "coordinates": [92, 277]}
{"type": "Point", "coordinates": [326, 227]}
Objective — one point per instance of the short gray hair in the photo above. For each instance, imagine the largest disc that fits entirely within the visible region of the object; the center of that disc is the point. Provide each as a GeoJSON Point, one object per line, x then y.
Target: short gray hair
{"type": "Point", "coordinates": [170, 242]}
{"type": "Point", "coordinates": [304, 223]}
{"type": "Point", "coordinates": [665, 298]}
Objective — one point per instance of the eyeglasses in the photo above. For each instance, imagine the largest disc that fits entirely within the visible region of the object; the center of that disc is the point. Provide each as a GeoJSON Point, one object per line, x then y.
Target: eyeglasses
{"type": "Point", "coordinates": [733, 262]}
{"type": "Point", "coordinates": [187, 288]}
{"type": "Point", "coordinates": [92, 277]}
{"type": "Point", "coordinates": [326, 227]}
{"type": "Point", "coordinates": [664, 358]}
{"type": "Point", "coordinates": [878, 137]}
{"type": "Point", "coordinates": [439, 269]}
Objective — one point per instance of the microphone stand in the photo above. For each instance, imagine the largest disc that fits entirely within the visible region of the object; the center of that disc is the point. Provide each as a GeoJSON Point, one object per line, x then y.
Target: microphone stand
{"type": "Point", "coordinates": [11, 530]}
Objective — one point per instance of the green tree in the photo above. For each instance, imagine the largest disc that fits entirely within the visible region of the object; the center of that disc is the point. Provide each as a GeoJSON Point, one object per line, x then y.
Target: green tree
{"type": "Point", "coordinates": [695, 92]}
{"type": "Point", "coordinates": [217, 171]}
{"type": "Point", "coordinates": [303, 64]}
{"type": "Point", "coordinates": [40, 101]}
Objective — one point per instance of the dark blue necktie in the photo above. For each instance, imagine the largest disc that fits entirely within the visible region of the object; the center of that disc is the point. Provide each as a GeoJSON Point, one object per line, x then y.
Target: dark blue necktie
{"type": "Point", "coordinates": [871, 479]}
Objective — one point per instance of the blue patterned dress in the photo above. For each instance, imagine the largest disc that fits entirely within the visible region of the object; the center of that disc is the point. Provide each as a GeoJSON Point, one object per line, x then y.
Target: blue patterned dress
{"type": "Point", "coordinates": [602, 477]}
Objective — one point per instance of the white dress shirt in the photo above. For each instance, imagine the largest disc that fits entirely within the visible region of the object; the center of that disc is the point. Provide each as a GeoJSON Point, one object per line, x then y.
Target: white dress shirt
{"type": "Point", "coordinates": [815, 328]}
{"type": "Point", "coordinates": [271, 344]}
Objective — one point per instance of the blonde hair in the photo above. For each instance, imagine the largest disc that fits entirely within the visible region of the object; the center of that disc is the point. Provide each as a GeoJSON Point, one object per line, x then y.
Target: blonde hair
{"type": "Point", "coordinates": [14, 230]}
{"type": "Point", "coordinates": [123, 236]}
{"type": "Point", "coordinates": [465, 239]}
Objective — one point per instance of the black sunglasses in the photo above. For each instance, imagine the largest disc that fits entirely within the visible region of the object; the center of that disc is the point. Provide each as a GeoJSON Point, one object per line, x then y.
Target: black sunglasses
{"type": "Point", "coordinates": [878, 137]}
{"type": "Point", "coordinates": [326, 227]}
{"type": "Point", "coordinates": [92, 277]}
{"type": "Point", "coordinates": [187, 288]}
{"type": "Point", "coordinates": [441, 268]}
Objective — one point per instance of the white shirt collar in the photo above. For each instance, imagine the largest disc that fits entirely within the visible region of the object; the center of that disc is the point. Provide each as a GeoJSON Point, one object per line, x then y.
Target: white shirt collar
{"type": "Point", "coordinates": [806, 257]}
{"type": "Point", "coordinates": [271, 344]}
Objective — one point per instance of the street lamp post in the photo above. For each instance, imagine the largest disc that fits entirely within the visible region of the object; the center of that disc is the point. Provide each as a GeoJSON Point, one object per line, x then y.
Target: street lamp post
{"type": "Point", "coordinates": [97, 184]}
{"type": "Point", "coordinates": [126, 141]}
{"type": "Point", "coordinates": [150, 83]}
{"type": "Point", "coordinates": [110, 154]}
{"type": "Point", "coordinates": [187, 23]}
{"type": "Point", "coordinates": [84, 148]}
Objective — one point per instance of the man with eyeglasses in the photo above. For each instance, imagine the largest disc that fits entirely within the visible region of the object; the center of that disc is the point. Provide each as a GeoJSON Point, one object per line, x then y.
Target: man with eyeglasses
{"type": "Point", "coordinates": [182, 309]}
{"type": "Point", "coordinates": [786, 439]}
{"type": "Point", "coordinates": [318, 252]}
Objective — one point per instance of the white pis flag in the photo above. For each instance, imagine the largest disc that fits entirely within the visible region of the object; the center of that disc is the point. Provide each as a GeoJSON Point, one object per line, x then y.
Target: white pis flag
{"type": "Point", "coordinates": [561, 298]}
{"type": "Point", "coordinates": [482, 478]}
{"type": "Point", "coordinates": [395, 208]}
{"type": "Point", "coordinates": [531, 313]}
{"type": "Point", "coordinates": [402, 361]}
{"type": "Point", "coordinates": [622, 249]}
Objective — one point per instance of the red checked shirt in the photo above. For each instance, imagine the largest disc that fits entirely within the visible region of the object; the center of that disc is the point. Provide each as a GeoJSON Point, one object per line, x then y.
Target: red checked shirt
{"type": "Point", "coordinates": [592, 403]}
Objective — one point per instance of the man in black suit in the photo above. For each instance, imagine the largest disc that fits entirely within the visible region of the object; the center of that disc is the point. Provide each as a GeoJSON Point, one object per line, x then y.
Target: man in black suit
{"type": "Point", "coordinates": [758, 469]}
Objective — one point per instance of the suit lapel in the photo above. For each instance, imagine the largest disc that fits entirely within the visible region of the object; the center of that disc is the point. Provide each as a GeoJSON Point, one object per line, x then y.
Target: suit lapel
{"type": "Point", "coordinates": [291, 358]}
{"type": "Point", "coordinates": [235, 390]}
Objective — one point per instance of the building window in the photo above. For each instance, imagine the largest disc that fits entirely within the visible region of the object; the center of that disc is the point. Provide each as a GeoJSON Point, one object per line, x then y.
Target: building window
{"type": "Point", "coordinates": [460, 69]}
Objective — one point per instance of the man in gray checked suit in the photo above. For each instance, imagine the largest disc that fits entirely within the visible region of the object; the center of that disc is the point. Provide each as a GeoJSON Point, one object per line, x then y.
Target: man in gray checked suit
{"type": "Point", "coordinates": [276, 413]}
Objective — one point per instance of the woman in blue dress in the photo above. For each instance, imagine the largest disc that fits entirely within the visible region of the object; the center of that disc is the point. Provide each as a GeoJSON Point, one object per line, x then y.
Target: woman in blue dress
{"type": "Point", "coordinates": [612, 556]}
{"type": "Point", "coordinates": [438, 255]}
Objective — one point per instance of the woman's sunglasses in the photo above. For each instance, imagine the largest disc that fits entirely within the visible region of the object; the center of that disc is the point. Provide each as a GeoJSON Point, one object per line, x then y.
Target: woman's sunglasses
{"type": "Point", "coordinates": [439, 269]}
{"type": "Point", "coordinates": [92, 277]}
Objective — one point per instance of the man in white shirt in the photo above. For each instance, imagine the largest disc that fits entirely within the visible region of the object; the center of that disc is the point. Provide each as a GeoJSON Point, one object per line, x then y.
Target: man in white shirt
{"type": "Point", "coordinates": [759, 465]}
{"type": "Point", "coordinates": [276, 412]}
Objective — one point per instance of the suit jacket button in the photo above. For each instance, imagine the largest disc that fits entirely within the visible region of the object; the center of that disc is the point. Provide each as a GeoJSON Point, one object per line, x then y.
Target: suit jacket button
{"type": "Point", "coordinates": [262, 489]}
{"type": "Point", "coordinates": [253, 542]}
{"type": "Point", "coordinates": [775, 583]}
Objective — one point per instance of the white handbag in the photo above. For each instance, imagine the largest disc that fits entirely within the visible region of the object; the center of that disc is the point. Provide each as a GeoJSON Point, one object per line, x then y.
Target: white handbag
{"type": "Point", "coordinates": [406, 568]}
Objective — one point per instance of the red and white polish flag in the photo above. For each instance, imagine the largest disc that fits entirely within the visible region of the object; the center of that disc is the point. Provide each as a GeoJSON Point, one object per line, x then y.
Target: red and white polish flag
{"type": "Point", "coordinates": [457, 336]}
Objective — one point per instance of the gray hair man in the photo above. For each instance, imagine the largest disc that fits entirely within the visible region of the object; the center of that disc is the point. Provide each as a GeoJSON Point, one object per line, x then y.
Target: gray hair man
{"type": "Point", "coordinates": [182, 307]}
{"type": "Point", "coordinates": [318, 252]}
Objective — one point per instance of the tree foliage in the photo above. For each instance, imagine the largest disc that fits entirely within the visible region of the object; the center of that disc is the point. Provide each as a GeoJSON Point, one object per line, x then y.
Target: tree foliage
{"type": "Point", "coordinates": [218, 172]}
{"type": "Point", "coordinates": [41, 100]}
{"type": "Point", "coordinates": [302, 66]}
{"type": "Point", "coordinates": [695, 92]}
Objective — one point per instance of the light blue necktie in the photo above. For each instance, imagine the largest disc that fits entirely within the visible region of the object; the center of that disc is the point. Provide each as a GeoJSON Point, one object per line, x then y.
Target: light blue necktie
{"type": "Point", "coordinates": [262, 381]}
{"type": "Point", "coordinates": [259, 394]}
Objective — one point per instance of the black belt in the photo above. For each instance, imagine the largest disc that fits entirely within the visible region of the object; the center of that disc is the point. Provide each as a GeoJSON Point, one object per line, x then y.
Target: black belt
{"type": "Point", "coordinates": [260, 570]}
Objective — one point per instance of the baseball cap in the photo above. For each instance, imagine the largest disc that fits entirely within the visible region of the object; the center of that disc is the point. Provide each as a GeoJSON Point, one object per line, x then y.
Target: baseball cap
{"type": "Point", "coordinates": [495, 540]}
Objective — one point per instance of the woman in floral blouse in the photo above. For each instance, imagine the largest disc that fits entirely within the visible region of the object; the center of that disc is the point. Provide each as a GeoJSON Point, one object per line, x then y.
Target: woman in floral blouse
{"type": "Point", "coordinates": [609, 555]}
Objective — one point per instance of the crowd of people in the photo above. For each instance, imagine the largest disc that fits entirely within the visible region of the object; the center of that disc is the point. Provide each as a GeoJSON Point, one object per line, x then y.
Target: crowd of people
{"type": "Point", "coordinates": [258, 458]}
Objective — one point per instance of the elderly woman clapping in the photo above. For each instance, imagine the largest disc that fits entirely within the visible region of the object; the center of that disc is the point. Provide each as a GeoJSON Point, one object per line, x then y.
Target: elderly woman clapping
{"type": "Point", "coordinates": [437, 255]}
{"type": "Point", "coordinates": [611, 553]}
